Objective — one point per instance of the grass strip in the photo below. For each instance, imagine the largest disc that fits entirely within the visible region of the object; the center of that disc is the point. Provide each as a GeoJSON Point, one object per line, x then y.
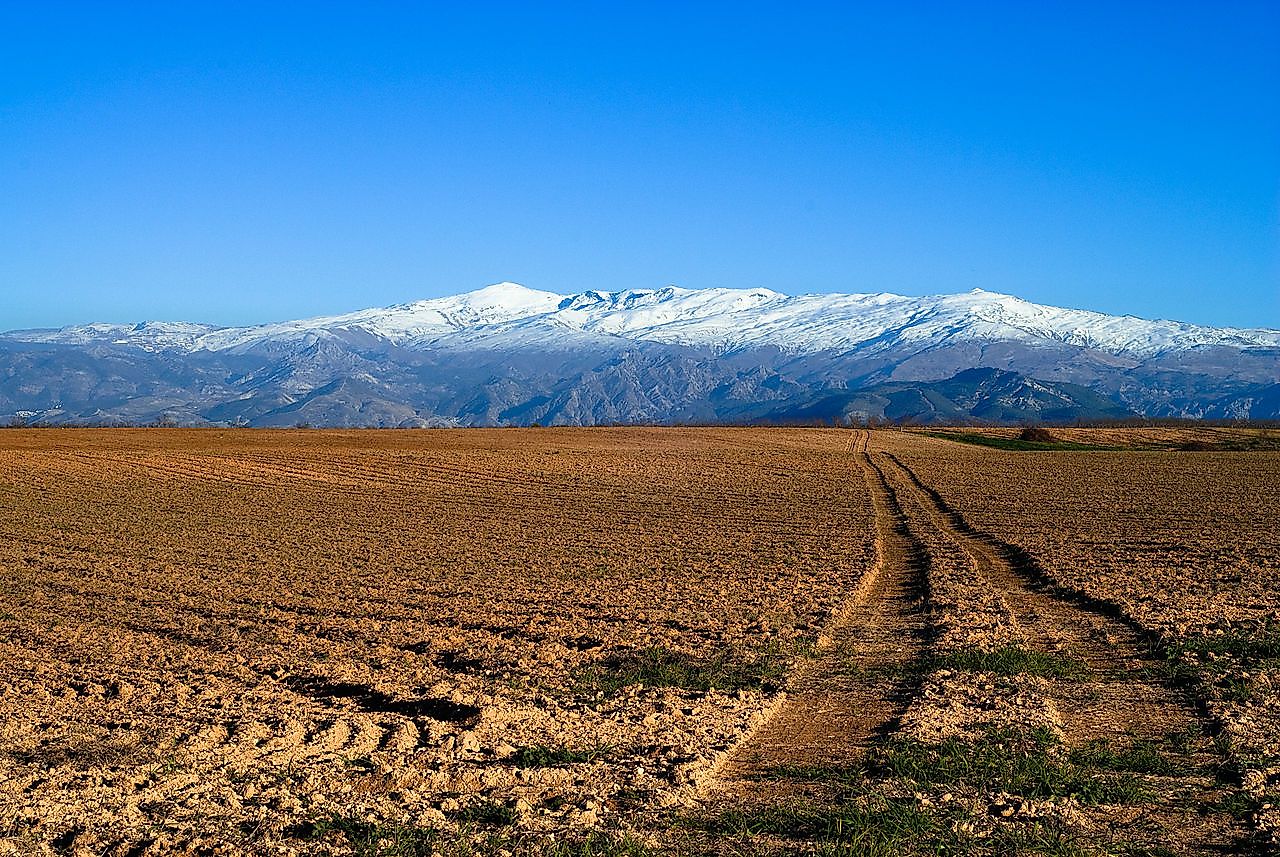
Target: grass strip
{"type": "Point", "coordinates": [1028, 764]}
{"type": "Point", "coordinates": [1008, 660]}
{"type": "Point", "coordinates": [1137, 757]}
{"type": "Point", "coordinates": [873, 825]}
{"type": "Point", "coordinates": [369, 839]}
{"type": "Point", "coordinates": [660, 667]}
{"type": "Point", "coordinates": [1245, 646]}
{"type": "Point", "coordinates": [1019, 445]}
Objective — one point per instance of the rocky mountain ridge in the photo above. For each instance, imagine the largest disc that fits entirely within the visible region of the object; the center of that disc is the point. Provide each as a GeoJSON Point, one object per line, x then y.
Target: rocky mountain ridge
{"type": "Point", "coordinates": [507, 354]}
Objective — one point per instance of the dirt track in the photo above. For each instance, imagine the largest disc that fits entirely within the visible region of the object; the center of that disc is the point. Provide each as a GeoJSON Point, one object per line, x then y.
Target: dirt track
{"type": "Point", "coordinates": [855, 688]}
{"type": "Point", "coordinates": [855, 692]}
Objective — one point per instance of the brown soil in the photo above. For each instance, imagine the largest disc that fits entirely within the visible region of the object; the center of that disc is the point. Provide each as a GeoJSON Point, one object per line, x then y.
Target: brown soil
{"type": "Point", "coordinates": [1185, 549]}
{"type": "Point", "coordinates": [857, 685]}
{"type": "Point", "coordinates": [211, 640]}
{"type": "Point", "coordinates": [1124, 698]}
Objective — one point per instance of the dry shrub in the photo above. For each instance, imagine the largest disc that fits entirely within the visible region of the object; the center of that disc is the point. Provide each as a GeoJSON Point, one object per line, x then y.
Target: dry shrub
{"type": "Point", "coordinates": [1036, 434]}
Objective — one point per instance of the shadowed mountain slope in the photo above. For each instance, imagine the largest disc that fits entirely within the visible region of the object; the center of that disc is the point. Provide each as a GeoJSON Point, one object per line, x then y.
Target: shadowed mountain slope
{"type": "Point", "coordinates": [511, 355]}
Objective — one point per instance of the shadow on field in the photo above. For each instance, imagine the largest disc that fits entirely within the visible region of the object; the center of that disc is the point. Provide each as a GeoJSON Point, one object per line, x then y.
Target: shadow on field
{"type": "Point", "coordinates": [375, 701]}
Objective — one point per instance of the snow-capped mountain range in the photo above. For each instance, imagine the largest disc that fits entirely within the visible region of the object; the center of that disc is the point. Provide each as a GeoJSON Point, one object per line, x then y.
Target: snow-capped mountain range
{"type": "Point", "coordinates": [509, 315]}
{"type": "Point", "coordinates": [506, 354]}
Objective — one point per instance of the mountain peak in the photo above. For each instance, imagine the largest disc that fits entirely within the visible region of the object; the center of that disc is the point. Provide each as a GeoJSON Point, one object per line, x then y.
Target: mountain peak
{"type": "Point", "coordinates": [489, 305]}
{"type": "Point", "coordinates": [505, 295]}
{"type": "Point", "coordinates": [506, 289]}
{"type": "Point", "coordinates": [509, 353]}
{"type": "Point", "coordinates": [987, 293]}
{"type": "Point", "coordinates": [510, 315]}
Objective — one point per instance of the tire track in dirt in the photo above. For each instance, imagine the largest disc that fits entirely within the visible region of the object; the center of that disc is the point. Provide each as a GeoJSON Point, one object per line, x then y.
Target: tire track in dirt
{"type": "Point", "coordinates": [1123, 699]}
{"type": "Point", "coordinates": [858, 684]}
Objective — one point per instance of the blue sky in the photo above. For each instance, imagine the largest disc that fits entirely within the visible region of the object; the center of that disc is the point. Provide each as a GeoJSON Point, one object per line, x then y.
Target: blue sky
{"type": "Point", "coordinates": [237, 163]}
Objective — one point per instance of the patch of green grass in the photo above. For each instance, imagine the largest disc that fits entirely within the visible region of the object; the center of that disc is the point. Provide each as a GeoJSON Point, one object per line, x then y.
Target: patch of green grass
{"type": "Point", "coordinates": [1030, 764]}
{"type": "Point", "coordinates": [540, 756]}
{"type": "Point", "coordinates": [1238, 690]}
{"type": "Point", "coordinates": [791, 648]}
{"type": "Point", "coordinates": [1050, 838]}
{"type": "Point", "coordinates": [660, 667]}
{"type": "Point", "coordinates": [1241, 806]}
{"type": "Point", "coordinates": [488, 814]}
{"type": "Point", "coordinates": [1184, 741]}
{"type": "Point", "coordinates": [1213, 662]}
{"type": "Point", "coordinates": [885, 827]}
{"type": "Point", "coordinates": [596, 845]}
{"type": "Point", "coordinates": [864, 821]}
{"type": "Point", "coordinates": [1009, 660]}
{"type": "Point", "coordinates": [875, 822]}
{"type": "Point", "coordinates": [1263, 441]}
{"type": "Point", "coordinates": [1137, 757]}
{"type": "Point", "coordinates": [169, 765]}
{"type": "Point", "coordinates": [1019, 445]}
{"type": "Point", "coordinates": [873, 825]}
{"type": "Point", "coordinates": [1251, 647]}
{"type": "Point", "coordinates": [834, 774]}
{"type": "Point", "coordinates": [368, 839]}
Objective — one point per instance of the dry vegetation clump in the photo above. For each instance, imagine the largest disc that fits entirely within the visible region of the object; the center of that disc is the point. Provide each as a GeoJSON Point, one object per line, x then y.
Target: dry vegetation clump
{"type": "Point", "coordinates": [1037, 434]}
{"type": "Point", "coordinates": [356, 642]}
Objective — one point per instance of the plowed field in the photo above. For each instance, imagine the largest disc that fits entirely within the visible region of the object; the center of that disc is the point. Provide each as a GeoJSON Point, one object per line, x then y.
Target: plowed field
{"type": "Point", "coordinates": [632, 641]}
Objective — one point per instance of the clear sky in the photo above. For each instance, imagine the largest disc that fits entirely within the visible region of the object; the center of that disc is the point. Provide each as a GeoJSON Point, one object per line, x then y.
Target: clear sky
{"type": "Point", "coordinates": [245, 162]}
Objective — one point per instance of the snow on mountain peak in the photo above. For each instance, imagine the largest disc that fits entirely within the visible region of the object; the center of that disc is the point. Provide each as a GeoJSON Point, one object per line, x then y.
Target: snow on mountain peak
{"type": "Point", "coordinates": [509, 315]}
{"type": "Point", "coordinates": [508, 297]}
{"type": "Point", "coordinates": [492, 304]}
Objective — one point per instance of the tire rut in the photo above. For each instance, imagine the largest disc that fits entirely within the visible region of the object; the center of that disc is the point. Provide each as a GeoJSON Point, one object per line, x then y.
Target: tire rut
{"type": "Point", "coordinates": [1123, 699]}
{"type": "Point", "coordinates": [856, 687]}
